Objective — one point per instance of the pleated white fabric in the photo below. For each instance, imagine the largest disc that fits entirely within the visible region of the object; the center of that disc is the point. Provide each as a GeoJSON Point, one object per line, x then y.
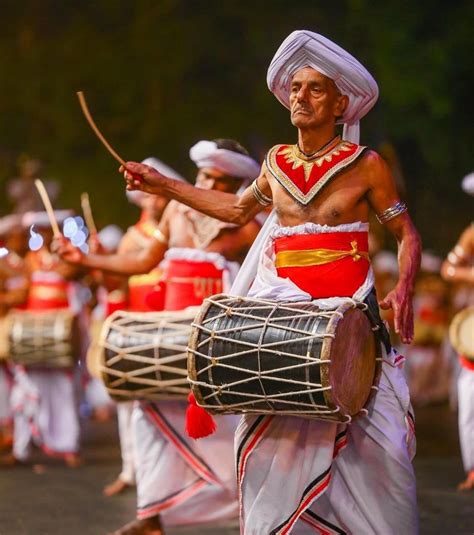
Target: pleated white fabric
{"type": "Point", "coordinates": [45, 413]}
{"type": "Point", "coordinates": [466, 417]}
{"type": "Point", "coordinates": [186, 481]}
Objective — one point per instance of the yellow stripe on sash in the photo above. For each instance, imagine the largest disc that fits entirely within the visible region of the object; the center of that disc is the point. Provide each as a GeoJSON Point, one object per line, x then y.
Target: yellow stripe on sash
{"type": "Point", "coordinates": [316, 257]}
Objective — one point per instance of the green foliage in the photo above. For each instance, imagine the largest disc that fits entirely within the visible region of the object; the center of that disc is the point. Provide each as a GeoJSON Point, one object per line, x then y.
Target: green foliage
{"type": "Point", "coordinates": [160, 75]}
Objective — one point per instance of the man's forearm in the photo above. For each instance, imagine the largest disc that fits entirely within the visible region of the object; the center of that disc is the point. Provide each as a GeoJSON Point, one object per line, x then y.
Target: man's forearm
{"type": "Point", "coordinates": [409, 258]}
{"type": "Point", "coordinates": [119, 264]}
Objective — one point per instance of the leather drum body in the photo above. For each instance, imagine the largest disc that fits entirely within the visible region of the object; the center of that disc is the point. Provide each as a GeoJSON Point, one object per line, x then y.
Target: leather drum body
{"type": "Point", "coordinates": [264, 357]}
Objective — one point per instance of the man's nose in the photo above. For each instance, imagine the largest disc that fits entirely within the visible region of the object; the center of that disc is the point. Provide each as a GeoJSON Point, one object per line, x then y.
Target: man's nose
{"type": "Point", "coordinates": [301, 94]}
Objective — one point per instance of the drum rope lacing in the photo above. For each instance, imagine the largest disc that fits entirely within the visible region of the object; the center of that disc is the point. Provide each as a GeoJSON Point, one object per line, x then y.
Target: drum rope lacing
{"type": "Point", "coordinates": [263, 323]}
{"type": "Point", "coordinates": [158, 331]}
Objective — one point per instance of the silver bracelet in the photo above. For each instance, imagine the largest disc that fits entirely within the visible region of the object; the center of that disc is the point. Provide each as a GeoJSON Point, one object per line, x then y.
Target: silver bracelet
{"type": "Point", "coordinates": [392, 212]}
{"type": "Point", "coordinates": [260, 197]}
{"type": "Point", "coordinates": [159, 236]}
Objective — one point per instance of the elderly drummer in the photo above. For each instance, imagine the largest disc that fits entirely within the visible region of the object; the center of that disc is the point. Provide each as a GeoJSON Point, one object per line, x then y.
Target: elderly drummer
{"type": "Point", "coordinates": [458, 267]}
{"type": "Point", "coordinates": [315, 247]}
{"type": "Point", "coordinates": [184, 481]}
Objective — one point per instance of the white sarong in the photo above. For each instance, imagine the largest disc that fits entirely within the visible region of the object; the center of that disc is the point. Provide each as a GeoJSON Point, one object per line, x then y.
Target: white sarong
{"type": "Point", "coordinates": [466, 417]}
{"type": "Point", "coordinates": [186, 481]}
{"type": "Point", "coordinates": [303, 476]}
{"type": "Point", "coordinates": [127, 447]}
{"type": "Point", "coordinates": [45, 412]}
{"type": "Point", "coordinates": [5, 387]}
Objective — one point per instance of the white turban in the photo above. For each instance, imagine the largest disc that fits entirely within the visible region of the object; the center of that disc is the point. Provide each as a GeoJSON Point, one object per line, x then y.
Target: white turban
{"type": "Point", "coordinates": [303, 48]}
{"type": "Point", "coordinates": [41, 219]}
{"type": "Point", "coordinates": [467, 184]}
{"type": "Point", "coordinates": [137, 196]}
{"type": "Point", "coordinates": [430, 263]}
{"type": "Point", "coordinates": [110, 237]}
{"type": "Point", "coordinates": [234, 164]}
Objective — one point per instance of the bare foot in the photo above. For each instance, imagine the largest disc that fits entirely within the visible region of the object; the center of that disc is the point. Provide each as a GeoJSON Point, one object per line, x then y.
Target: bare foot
{"type": "Point", "coordinates": [72, 460]}
{"type": "Point", "coordinates": [468, 483]}
{"type": "Point", "coordinates": [147, 526]}
{"type": "Point", "coordinates": [102, 414]}
{"type": "Point", "coordinates": [116, 487]}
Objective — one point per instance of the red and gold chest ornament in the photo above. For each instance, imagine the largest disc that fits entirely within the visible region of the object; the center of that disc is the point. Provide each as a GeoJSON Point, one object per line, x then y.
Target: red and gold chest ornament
{"type": "Point", "coordinates": [304, 176]}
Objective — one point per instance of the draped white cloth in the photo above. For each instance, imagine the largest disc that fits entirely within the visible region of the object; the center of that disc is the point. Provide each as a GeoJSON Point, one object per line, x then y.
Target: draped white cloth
{"type": "Point", "coordinates": [296, 475]}
{"type": "Point", "coordinates": [45, 413]}
{"type": "Point", "coordinates": [207, 154]}
{"type": "Point", "coordinates": [466, 417]}
{"type": "Point", "coordinates": [5, 387]}
{"type": "Point", "coordinates": [303, 48]}
{"type": "Point", "coordinates": [186, 481]}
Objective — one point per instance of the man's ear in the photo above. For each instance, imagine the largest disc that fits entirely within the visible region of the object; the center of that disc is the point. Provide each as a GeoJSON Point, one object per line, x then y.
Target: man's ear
{"type": "Point", "coordinates": [341, 106]}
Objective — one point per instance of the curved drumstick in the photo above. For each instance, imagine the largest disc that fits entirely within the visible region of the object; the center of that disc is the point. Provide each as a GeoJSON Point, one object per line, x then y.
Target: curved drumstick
{"type": "Point", "coordinates": [49, 209]}
{"type": "Point", "coordinates": [87, 211]}
{"type": "Point", "coordinates": [98, 133]}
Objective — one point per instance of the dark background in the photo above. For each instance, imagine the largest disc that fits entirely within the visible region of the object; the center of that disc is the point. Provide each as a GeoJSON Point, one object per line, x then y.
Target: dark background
{"type": "Point", "coordinates": [160, 75]}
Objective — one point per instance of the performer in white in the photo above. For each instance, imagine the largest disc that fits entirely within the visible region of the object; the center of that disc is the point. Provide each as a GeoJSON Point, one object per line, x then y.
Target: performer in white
{"type": "Point", "coordinates": [293, 473]}
{"type": "Point", "coordinates": [458, 267]}
{"type": "Point", "coordinates": [43, 399]}
{"type": "Point", "coordinates": [182, 481]}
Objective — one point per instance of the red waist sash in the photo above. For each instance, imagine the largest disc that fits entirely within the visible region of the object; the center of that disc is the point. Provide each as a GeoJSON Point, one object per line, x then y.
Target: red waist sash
{"type": "Point", "coordinates": [116, 300]}
{"type": "Point", "coordinates": [188, 283]}
{"type": "Point", "coordinates": [145, 292]}
{"type": "Point", "coordinates": [324, 265]}
{"type": "Point", "coordinates": [44, 295]}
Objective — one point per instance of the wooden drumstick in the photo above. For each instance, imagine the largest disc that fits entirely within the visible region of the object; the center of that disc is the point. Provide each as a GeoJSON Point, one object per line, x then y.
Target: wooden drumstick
{"type": "Point", "coordinates": [98, 133]}
{"type": "Point", "coordinates": [87, 211]}
{"type": "Point", "coordinates": [49, 209]}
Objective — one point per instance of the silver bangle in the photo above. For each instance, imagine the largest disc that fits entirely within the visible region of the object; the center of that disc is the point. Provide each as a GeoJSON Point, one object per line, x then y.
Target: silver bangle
{"type": "Point", "coordinates": [159, 236]}
{"type": "Point", "coordinates": [392, 212]}
{"type": "Point", "coordinates": [260, 197]}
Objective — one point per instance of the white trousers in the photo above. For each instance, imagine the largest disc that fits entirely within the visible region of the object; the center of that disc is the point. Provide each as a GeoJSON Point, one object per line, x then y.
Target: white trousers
{"type": "Point", "coordinates": [45, 412]}
{"type": "Point", "coordinates": [5, 387]}
{"type": "Point", "coordinates": [124, 416]}
{"type": "Point", "coordinates": [185, 481]}
{"type": "Point", "coordinates": [305, 476]}
{"type": "Point", "coordinates": [466, 417]}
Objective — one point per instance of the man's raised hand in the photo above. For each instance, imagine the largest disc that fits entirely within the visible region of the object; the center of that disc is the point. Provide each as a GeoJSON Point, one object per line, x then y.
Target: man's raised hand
{"type": "Point", "coordinates": [66, 250]}
{"type": "Point", "coordinates": [142, 177]}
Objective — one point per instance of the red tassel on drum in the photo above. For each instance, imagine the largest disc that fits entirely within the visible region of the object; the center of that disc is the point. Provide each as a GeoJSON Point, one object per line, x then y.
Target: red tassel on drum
{"type": "Point", "coordinates": [199, 423]}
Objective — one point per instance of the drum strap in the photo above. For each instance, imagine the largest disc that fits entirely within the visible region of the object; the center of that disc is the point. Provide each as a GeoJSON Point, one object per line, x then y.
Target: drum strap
{"type": "Point", "coordinates": [373, 313]}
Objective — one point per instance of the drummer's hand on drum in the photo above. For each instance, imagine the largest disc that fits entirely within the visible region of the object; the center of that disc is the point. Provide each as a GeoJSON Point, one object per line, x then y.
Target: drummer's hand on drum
{"type": "Point", "coordinates": [142, 177]}
{"type": "Point", "coordinates": [401, 302]}
{"type": "Point", "coordinates": [66, 250]}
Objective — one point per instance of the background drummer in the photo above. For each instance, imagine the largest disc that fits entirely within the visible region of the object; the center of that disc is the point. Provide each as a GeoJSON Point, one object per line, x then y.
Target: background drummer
{"type": "Point", "coordinates": [459, 268]}
{"type": "Point", "coordinates": [130, 293]}
{"type": "Point", "coordinates": [43, 399]}
{"type": "Point", "coordinates": [201, 255]}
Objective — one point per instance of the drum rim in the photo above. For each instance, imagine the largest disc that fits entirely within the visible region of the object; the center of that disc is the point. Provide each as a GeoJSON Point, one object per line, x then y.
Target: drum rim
{"type": "Point", "coordinates": [192, 343]}
{"type": "Point", "coordinates": [454, 332]}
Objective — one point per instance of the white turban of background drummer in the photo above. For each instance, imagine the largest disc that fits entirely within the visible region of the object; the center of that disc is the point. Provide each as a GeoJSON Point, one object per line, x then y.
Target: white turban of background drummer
{"type": "Point", "coordinates": [467, 184]}
{"type": "Point", "coordinates": [10, 223]}
{"type": "Point", "coordinates": [234, 164]}
{"type": "Point", "coordinates": [110, 237]}
{"type": "Point", "coordinates": [303, 48]}
{"type": "Point", "coordinates": [41, 219]}
{"type": "Point", "coordinates": [137, 196]}
{"type": "Point", "coordinates": [430, 263]}
{"type": "Point", "coordinates": [385, 262]}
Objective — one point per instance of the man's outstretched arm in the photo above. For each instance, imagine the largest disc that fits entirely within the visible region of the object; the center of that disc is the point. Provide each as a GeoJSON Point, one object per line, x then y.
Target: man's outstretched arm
{"type": "Point", "coordinates": [227, 207]}
{"type": "Point", "coordinates": [383, 195]}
